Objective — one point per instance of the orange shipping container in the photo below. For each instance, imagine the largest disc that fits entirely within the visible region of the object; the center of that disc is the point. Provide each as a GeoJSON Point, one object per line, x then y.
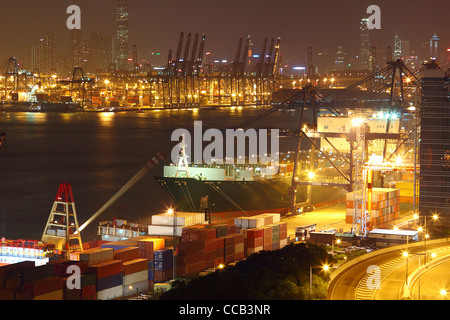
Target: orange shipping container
{"type": "Point", "coordinates": [134, 266]}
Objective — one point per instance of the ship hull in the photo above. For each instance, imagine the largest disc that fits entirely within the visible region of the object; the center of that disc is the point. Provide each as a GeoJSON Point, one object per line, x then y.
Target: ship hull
{"type": "Point", "coordinates": [231, 199]}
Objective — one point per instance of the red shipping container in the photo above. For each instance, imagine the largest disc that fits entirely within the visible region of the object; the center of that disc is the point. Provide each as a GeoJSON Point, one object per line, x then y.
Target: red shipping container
{"type": "Point", "coordinates": [220, 243]}
{"type": "Point", "coordinates": [163, 275]}
{"type": "Point", "coordinates": [218, 261]}
{"type": "Point", "coordinates": [259, 242]}
{"type": "Point", "coordinates": [60, 269]}
{"type": "Point", "coordinates": [107, 269]}
{"type": "Point", "coordinates": [229, 251]}
{"type": "Point", "coordinates": [229, 241]}
{"type": "Point", "coordinates": [23, 295]}
{"type": "Point", "coordinates": [231, 229]}
{"type": "Point", "coordinates": [267, 231]}
{"type": "Point", "coordinates": [283, 226]}
{"type": "Point", "coordinates": [88, 291]}
{"type": "Point", "coordinates": [191, 247]}
{"type": "Point", "coordinates": [210, 246]}
{"type": "Point", "coordinates": [238, 238]}
{"type": "Point", "coordinates": [127, 254]}
{"type": "Point", "coordinates": [239, 256]}
{"type": "Point", "coordinates": [267, 241]}
{"type": "Point", "coordinates": [191, 258]}
{"type": "Point", "coordinates": [255, 233]}
{"type": "Point", "coordinates": [230, 258]}
{"type": "Point", "coordinates": [134, 266]}
{"type": "Point", "coordinates": [45, 286]}
{"type": "Point", "coordinates": [6, 294]}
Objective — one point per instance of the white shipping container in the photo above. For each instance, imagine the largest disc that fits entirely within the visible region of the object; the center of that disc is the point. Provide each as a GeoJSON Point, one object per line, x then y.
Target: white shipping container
{"type": "Point", "coordinates": [136, 288]}
{"type": "Point", "coordinates": [179, 219]}
{"type": "Point", "coordinates": [136, 277]}
{"type": "Point", "coordinates": [283, 243]}
{"type": "Point", "coordinates": [238, 222]}
{"type": "Point", "coordinates": [245, 223]}
{"type": "Point", "coordinates": [256, 222]}
{"type": "Point", "coordinates": [155, 230]}
{"type": "Point", "coordinates": [110, 293]}
{"type": "Point", "coordinates": [276, 217]}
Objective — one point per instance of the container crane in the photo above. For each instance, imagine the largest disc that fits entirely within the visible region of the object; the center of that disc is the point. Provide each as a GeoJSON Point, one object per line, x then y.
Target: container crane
{"type": "Point", "coordinates": [62, 226]}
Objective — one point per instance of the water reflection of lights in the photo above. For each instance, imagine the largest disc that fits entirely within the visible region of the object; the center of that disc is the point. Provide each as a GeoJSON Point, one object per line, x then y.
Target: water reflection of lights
{"type": "Point", "coordinates": [36, 117]}
{"type": "Point", "coordinates": [106, 117]}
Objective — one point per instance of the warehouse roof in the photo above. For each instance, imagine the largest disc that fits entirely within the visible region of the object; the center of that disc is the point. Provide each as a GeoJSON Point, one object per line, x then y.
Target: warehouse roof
{"type": "Point", "coordinates": [395, 232]}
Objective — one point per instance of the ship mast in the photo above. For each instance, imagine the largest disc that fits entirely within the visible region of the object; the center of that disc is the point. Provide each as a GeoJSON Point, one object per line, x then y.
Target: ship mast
{"type": "Point", "coordinates": [183, 165]}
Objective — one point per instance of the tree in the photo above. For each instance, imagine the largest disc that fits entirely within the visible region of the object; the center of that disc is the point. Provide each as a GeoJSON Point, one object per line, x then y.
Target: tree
{"type": "Point", "coordinates": [267, 275]}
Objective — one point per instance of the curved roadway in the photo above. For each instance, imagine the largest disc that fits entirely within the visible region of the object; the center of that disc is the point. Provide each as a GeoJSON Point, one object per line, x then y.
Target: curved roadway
{"type": "Point", "coordinates": [388, 275]}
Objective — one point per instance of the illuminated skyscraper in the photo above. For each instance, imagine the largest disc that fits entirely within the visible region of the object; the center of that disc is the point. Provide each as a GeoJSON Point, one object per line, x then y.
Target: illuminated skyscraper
{"type": "Point", "coordinates": [340, 59]}
{"type": "Point", "coordinates": [121, 50]}
{"type": "Point", "coordinates": [364, 42]}
{"type": "Point", "coordinates": [434, 47]}
{"type": "Point", "coordinates": [41, 55]}
{"type": "Point", "coordinates": [435, 144]}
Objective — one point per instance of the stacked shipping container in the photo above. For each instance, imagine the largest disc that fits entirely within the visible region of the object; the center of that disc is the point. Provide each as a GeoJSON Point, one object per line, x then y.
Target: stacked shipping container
{"type": "Point", "coordinates": [262, 232]}
{"type": "Point", "coordinates": [385, 206]}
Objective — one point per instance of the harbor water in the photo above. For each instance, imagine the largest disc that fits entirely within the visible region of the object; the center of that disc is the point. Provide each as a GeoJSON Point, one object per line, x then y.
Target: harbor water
{"type": "Point", "coordinates": [98, 153]}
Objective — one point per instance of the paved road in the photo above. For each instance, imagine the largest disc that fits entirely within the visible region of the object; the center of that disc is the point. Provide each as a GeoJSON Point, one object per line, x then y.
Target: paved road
{"type": "Point", "coordinates": [356, 283]}
{"type": "Point", "coordinates": [432, 281]}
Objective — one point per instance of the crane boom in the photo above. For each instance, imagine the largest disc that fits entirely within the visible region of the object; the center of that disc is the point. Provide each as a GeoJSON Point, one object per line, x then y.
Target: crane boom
{"type": "Point", "coordinates": [138, 176]}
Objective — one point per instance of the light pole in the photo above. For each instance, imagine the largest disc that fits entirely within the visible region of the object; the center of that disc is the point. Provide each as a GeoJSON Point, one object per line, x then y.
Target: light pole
{"type": "Point", "coordinates": [137, 290]}
{"type": "Point", "coordinates": [338, 241]}
{"type": "Point", "coordinates": [324, 267]}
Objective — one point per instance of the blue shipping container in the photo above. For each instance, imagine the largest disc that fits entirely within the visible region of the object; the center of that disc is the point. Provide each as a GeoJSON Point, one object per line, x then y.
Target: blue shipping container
{"type": "Point", "coordinates": [151, 275]}
{"type": "Point", "coordinates": [110, 281]}
{"type": "Point", "coordinates": [151, 265]}
{"type": "Point", "coordinates": [163, 255]}
{"type": "Point", "coordinates": [163, 265]}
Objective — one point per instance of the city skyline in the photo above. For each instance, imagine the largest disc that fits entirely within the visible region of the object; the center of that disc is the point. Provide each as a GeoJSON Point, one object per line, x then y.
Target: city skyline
{"type": "Point", "coordinates": [344, 32]}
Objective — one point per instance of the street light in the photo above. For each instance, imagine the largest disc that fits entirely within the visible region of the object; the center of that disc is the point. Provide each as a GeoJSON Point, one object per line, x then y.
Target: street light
{"type": "Point", "coordinates": [338, 241]}
{"type": "Point", "coordinates": [137, 290]}
{"type": "Point", "coordinates": [324, 268]}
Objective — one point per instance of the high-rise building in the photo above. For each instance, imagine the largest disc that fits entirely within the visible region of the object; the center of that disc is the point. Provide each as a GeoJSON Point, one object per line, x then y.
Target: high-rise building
{"type": "Point", "coordinates": [340, 59]}
{"type": "Point", "coordinates": [364, 42]}
{"type": "Point", "coordinates": [121, 41]}
{"type": "Point", "coordinates": [76, 48]}
{"type": "Point", "coordinates": [435, 144]}
{"type": "Point", "coordinates": [434, 47]}
{"type": "Point", "coordinates": [397, 47]}
{"type": "Point", "coordinates": [100, 52]}
{"type": "Point", "coordinates": [41, 55]}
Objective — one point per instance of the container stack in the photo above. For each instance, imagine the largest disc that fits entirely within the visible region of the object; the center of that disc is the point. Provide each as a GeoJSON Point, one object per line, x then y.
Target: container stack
{"type": "Point", "coordinates": [262, 232]}
{"type": "Point", "coordinates": [163, 265]}
{"type": "Point", "coordinates": [135, 277]}
{"type": "Point", "coordinates": [147, 247]}
{"type": "Point", "coordinates": [254, 240]}
{"type": "Point", "coordinates": [385, 206]}
{"type": "Point", "coordinates": [214, 252]}
{"type": "Point", "coordinates": [191, 258]}
{"type": "Point", "coordinates": [109, 279]}
{"type": "Point", "coordinates": [94, 256]}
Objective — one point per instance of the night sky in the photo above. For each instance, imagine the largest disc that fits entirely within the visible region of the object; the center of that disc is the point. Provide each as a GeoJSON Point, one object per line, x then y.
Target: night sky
{"type": "Point", "coordinates": [156, 25]}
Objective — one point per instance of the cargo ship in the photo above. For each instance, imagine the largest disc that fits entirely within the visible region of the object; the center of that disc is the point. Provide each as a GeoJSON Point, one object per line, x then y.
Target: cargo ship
{"type": "Point", "coordinates": [231, 190]}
